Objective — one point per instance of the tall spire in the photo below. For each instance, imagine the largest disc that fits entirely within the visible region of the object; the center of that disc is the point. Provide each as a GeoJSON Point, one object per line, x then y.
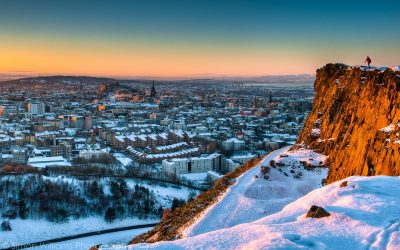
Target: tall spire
{"type": "Point", "coordinates": [270, 96]}
{"type": "Point", "coordinates": [153, 90]}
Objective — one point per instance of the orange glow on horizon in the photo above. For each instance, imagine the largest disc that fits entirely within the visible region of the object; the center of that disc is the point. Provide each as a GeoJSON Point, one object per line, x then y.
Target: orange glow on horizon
{"type": "Point", "coordinates": [141, 64]}
{"type": "Point", "coordinates": [97, 59]}
{"type": "Point", "coordinates": [117, 59]}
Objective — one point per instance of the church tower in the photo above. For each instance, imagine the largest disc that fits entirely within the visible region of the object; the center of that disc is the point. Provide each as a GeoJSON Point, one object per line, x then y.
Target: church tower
{"type": "Point", "coordinates": [153, 91]}
{"type": "Point", "coordinates": [270, 97]}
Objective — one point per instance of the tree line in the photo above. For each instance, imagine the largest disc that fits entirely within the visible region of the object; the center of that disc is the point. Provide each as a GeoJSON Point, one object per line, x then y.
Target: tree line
{"type": "Point", "coordinates": [59, 200]}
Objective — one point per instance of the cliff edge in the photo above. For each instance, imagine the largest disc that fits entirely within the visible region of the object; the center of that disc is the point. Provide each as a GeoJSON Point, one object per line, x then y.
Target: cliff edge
{"type": "Point", "coordinates": [355, 120]}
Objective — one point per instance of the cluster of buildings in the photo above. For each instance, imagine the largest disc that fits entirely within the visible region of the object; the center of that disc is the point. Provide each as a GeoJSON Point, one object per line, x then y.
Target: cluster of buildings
{"type": "Point", "coordinates": [180, 128]}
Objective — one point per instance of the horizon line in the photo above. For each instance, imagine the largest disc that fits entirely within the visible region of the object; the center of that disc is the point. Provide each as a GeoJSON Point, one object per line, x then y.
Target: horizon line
{"type": "Point", "coordinates": [20, 75]}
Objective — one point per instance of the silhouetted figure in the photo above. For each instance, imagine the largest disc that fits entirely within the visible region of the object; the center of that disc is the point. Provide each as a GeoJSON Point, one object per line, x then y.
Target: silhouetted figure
{"type": "Point", "coordinates": [368, 61]}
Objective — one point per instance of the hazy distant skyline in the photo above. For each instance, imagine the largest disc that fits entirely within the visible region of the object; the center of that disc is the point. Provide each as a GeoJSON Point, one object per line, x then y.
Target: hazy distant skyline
{"type": "Point", "coordinates": [192, 38]}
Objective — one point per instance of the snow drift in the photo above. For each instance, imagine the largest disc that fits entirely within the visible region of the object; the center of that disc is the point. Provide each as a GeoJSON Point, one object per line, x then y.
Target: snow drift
{"type": "Point", "coordinates": [254, 197]}
{"type": "Point", "coordinates": [365, 214]}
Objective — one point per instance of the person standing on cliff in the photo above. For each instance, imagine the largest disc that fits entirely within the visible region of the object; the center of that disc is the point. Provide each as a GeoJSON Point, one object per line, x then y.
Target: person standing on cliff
{"type": "Point", "coordinates": [368, 61]}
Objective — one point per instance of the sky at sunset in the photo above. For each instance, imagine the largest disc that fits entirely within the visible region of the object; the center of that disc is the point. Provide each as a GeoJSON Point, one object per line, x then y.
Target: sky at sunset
{"type": "Point", "coordinates": [194, 38]}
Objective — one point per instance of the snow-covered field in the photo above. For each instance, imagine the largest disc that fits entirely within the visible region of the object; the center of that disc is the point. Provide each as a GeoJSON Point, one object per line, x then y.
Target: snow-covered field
{"type": "Point", "coordinates": [365, 214]}
{"type": "Point", "coordinates": [117, 238]}
{"type": "Point", "coordinates": [165, 192]}
{"type": "Point", "coordinates": [253, 198]}
{"type": "Point", "coordinates": [29, 231]}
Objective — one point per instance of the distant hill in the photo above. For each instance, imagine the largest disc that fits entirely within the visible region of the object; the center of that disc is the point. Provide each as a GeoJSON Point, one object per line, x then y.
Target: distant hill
{"type": "Point", "coordinates": [62, 80]}
{"type": "Point", "coordinates": [305, 78]}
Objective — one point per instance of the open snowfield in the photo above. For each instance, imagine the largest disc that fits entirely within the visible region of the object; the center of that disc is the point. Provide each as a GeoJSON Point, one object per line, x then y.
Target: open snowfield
{"type": "Point", "coordinates": [28, 231]}
{"type": "Point", "coordinates": [165, 192]}
{"type": "Point", "coordinates": [117, 238]}
{"type": "Point", "coordinates": [365, 214]}
{"type": "Point", "coordinates": [253, 198]}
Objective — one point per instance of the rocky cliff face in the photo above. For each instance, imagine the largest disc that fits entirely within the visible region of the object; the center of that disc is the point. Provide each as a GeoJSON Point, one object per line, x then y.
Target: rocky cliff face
{"type": "Point", "coordinates": [355, 120]}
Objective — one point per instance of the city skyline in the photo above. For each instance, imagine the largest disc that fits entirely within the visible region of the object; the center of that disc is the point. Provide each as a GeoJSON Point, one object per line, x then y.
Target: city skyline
{"type": "Point", "coordinates": [127, 39]}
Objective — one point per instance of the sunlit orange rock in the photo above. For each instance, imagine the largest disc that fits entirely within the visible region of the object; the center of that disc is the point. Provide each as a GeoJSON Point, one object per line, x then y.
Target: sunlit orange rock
{"type": "Point", "coordinates": [355, 121]}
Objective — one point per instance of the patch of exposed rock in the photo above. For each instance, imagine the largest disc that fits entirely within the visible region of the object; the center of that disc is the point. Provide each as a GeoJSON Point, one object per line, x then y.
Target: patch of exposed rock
{"type": "Point", "coordinates": [317, 212]}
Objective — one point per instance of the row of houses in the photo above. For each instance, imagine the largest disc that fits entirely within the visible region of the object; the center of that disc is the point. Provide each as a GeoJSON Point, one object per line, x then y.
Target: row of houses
{"type": "Point", "coordinates": [147, 140]}
{"type": "Point", "coordinates": [143, 157]}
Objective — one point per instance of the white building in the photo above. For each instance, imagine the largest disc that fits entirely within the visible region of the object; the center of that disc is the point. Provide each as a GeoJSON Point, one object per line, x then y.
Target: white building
{"type": "Point", "coordinates": [89, 153]}
{"type": "Point", "coordinates": [179, 166]}
{"type": "Point", "coordinates": [233, 144]}
{"type": "Point", "coordinates": [42, 162]}
{"type": "Point", "coordinates": [36, 108]}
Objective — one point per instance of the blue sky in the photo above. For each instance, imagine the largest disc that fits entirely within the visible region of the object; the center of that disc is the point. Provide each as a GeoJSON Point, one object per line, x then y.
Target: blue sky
{"type": "Point", "coordinates": [260, 34]}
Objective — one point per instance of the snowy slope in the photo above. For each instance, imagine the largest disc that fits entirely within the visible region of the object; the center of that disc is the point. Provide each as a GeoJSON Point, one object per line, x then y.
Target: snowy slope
{"type": "Point", "coordinates": [365, 214]}
{"type": "Point", "coordinates": [253, 198]}
{"type": "Point", "coordinates": [32, 230]}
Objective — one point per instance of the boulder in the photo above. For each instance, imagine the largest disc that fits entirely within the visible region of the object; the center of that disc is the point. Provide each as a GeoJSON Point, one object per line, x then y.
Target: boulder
{"type": "Point", "coordinates": [317, 212]}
